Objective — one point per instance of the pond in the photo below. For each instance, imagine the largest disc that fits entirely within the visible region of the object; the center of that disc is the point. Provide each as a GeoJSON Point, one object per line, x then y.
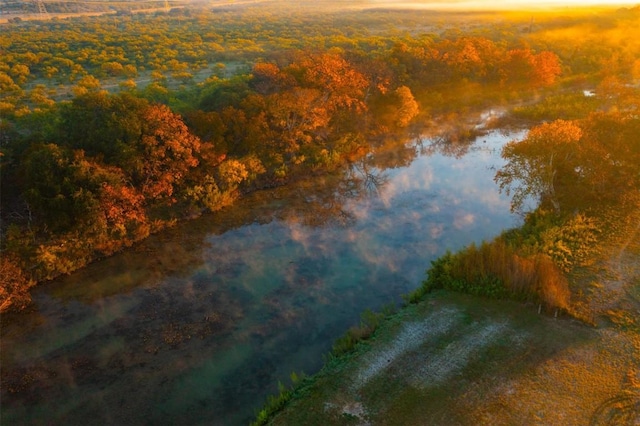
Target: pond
{"type": "Point", "coordinates": [198, 324]}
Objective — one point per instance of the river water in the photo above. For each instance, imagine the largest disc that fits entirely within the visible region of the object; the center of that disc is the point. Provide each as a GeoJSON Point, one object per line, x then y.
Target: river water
{"type": "Point", "coordinates": [198, 324]}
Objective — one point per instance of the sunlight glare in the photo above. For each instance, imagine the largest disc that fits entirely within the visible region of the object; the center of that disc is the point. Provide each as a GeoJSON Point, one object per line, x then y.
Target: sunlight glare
{"type": "Point", "coordinates": [501, 5]}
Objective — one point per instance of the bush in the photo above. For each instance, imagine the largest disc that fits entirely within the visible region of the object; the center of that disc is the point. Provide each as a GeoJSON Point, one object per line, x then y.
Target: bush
{"type": "Point", "coordinates": [495, 270]}
{"type": "Point", "coordinates": [369, 323]}
{"type": "Point", "coordinates": [273, 405]}
{"type": "Point", "coordinates": [571, 243]}
{"type": "Point", "coordinates": [14, 285]}
{"type": "Point", "coordinates": [277, 402]}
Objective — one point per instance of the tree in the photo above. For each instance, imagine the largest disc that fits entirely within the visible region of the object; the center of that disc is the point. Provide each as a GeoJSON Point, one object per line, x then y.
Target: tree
{"type": "Point", "coordinates": [407, 106]}
{"type": "Point", "coordinates": [166, 151]}
{"type": "Point", "coordinates": [20, 72]}
{"type": "Point", "coordinates": [538, 163]}
{"type": "Point", "coordinates": [518, 66]}
{"type": "Point", "coordinates": [103, 126]}
{"type": "Point", "coordinates": [51, 189]}
{"type": "Point", "coordinates": [113, 69]}
{"type": "Point", "coordinates": [610, 154]}
{"type": "Point", "coordinates": [86, 84]}
{"type": "Point", "coordinates": [267, 78]}
{"type": "Point", "coordinates": [340, 83]}
{"type": "Point", "coordinates": [7, 85]}
{"type": "Point", "coordinates": [546, 68]}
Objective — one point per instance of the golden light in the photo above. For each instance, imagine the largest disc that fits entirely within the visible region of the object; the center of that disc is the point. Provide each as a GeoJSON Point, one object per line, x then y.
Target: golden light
{"type": "Point", "coordinates": [502, 5]}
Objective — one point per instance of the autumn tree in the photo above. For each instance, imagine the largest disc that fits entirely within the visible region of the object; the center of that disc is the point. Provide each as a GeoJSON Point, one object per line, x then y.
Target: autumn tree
{"type": "Point", "coordinates": [470, 57]}
{"type": "Point", "coordinates": [523, 66]}
{"type": "Point", "coordinates": [546, 68]}
{"type": "Point", "coordinates": [394, 109]}
{"type": "Point", "coordinates": [150, 143]}
{"type": "Point", "coordinates": [14, 285]}
{"type": "Point", "coordinates": [540, 162]}
{"type": "Point", "coordinates": [268, 78]}
{"type": "Point", "coordinates": [318, 96]}
{"type": "Point", "coordinates": [165, 152]}
{"type": "Point", "coordinates": [67, 190]}
{"type": "Point", "coordinates": [335, 76]}
{"type": "Point", "coordinates": [609, 155]}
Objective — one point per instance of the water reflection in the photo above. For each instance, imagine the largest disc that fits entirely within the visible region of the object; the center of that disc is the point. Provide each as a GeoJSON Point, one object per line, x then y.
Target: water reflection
{"type": "Point", "coordinates": [198, 324]}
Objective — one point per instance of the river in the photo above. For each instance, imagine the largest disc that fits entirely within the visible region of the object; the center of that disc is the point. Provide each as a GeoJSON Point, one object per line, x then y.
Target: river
{"type": "Point", "coordinates": [197, 325]}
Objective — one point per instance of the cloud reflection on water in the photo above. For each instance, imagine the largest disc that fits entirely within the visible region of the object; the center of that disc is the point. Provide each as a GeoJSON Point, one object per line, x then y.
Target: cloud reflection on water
{"type": "Point", "coordinates": [216, 311]}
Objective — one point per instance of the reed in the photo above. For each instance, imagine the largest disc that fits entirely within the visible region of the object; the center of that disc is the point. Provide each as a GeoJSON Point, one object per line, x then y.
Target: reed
{"type": "Point", "coordinates": [495, 269]}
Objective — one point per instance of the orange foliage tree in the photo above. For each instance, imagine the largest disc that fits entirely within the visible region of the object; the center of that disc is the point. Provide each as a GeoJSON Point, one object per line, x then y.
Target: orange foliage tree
{"type": "Point", "coordinates": [524, 67]}
{"type": "Point", "coordinates": [166, 151]}
{"type": "Point", "coordinates": [536, 164]}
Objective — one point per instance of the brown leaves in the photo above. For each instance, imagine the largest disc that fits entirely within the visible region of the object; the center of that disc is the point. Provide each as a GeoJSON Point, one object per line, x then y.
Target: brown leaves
{"type": "Point", "coordinates": [168, 151]}
{"type": "Point", "coordinates": [14, 285]}
{"type": "Point", "coordinates": [558, 132]}
{"type": "Point", "coordinates": [524, 66]}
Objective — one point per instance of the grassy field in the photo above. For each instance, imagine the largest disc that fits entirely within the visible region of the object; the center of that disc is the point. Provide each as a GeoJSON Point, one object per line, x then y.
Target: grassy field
{"type": "Point", "coordinates": [459, 360]}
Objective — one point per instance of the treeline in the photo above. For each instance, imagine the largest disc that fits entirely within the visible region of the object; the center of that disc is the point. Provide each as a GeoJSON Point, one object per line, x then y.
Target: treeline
{"type": "Point", "coordinates": [39, 62]}
{"type": "Point", "coordinates": [12, 8]}
{"type": "Point", "coordinates": [84, 178]}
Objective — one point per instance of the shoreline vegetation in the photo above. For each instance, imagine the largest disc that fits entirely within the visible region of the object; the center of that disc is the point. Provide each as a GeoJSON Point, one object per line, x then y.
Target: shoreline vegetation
{"type": "Point", "coordinates": [87, 173]}
{"type": "Point", "coordinates": [89, 176]}
{"type": "Point", "coordinates": [593, 311]}
{"type": "Point", "coordinates": [579, 268]}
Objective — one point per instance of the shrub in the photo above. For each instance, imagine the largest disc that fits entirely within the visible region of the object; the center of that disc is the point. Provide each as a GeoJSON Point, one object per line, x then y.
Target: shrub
{"type": "Point", "coordinates": [369, 323]}
{"type": "Point", "coordinates": [14, 285]}
{"type": "Point", "coordinates": [273, 405]}
{"type": "Point", "coordinates": [567, 106]}
{"type": "Point", "coordinates": [497, 271]}
{"type": "Point", "coordinates": [571, 243]}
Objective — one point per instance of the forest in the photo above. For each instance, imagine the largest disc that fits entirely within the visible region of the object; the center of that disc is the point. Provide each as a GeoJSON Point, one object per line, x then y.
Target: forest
{"type": "Point", "coordinates": [114, 128]}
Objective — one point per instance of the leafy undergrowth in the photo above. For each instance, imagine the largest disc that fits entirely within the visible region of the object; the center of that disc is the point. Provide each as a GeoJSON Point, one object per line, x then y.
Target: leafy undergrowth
{"type": "Point", "coordinates": [455, 359]}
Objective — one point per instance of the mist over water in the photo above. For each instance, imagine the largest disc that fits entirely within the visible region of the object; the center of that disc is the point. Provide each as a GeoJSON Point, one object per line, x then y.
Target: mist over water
{"type": "Point", "coordinates": [197, 325]}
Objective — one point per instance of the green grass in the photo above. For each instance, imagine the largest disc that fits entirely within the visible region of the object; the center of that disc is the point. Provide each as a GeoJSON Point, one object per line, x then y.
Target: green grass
{"type": "Point", "coordinates": [526, 342]}
{"type": "Point", "coordinates": [472, 360]}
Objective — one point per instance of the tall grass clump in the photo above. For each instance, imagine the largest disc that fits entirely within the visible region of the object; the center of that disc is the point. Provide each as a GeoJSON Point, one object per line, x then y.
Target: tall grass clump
{"type": "Point", "coordinates": [369, 323]}
{"type": "Point", "coordinates": [275, 403]}
{"type": "Point", "coordinates": [496, 270]}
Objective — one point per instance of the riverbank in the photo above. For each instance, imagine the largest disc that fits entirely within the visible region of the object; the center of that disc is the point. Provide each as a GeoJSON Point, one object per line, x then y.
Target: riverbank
{"type": "Point", "coordinates": [457, 359]}
{"type": "Point", "coordinates": [214, 312]}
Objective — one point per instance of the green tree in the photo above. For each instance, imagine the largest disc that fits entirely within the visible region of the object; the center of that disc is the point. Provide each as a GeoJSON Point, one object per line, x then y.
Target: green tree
{"type": "Point", "coordinates": [51, 189]}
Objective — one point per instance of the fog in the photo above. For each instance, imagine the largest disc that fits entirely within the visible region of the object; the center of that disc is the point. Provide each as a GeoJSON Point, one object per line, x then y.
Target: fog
{"type": "Point", "coordinates": [496, 4]}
